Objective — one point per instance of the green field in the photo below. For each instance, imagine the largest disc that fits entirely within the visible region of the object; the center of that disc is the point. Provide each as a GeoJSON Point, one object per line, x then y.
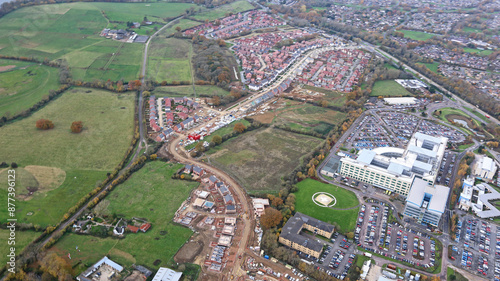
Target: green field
{"type": "Point", "coordinates": [308, 118]}
{"type": "Point", "coordinates": [389, 88]}
{"type": "Point", "coordinates": [182, 23]}
{"type": "Point", "coordinates": [258, 159]}
{"type": "Point", "coordinates": [153, 187]}
{"type": "Point", "coordinates": [71, 31]}
{"type": "Point", "coordinates": [169, 59]}
{"type": "Point", "coordinates": [346, 219]}
{"type": "Point", "coordinates": [108, 129]}
{"type": "Point", "coordinates": [334, 98]}
{"type": "Point", "coordinates": [221, 11]}
{"type": "Point", "coordinates": [48, 208]}
{"type": "Point", "coordinates": [24, 85]}
{"type": "Point", "coordinates": [155, 12]}
{"type": "Point", "coordinates": [417, 35]}
{"type": "Point", "coordinates": [23, 238]}
{"type": "Point", "coordinates": [181, 91]}
{"type": "Point", "coordinates": [478, 52]}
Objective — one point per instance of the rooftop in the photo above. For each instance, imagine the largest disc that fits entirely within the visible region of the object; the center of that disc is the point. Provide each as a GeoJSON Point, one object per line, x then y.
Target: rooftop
{"type": "Point", "coordinates": [292, 228]}
{"type": "Point", "coordinates": [423, 194]}
{"type": "Point", "coordinates": [167, 274]}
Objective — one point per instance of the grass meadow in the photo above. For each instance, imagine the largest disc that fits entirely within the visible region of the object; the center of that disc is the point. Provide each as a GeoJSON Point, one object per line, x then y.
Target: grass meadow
{"type": "Point", "coordinates": [389, 88]}
{"type": "Point", "coordinates": [221, 11]}
{"type": "Point", "coordinates": [84, 157]}
{"type": "Point", "coordinates": [309, 118]}
{"type": "Point", "coordinates": [24, 85]}
{"type": "Point", "coordinates": [169, 59]}
{"type": "Point", "coordinates": [417, 35]}
{"type": "Point", "coordinates": [150, 193]}
{"type": "Point", "coordinates": [108, 129]}
{"type": "Point", "coordinates": [258, 159]}
{"type": "Point", "coordinates": [71, 31]}
{"type": "Point", "coordinates": [23, 238]}
{"type": "Point", "coordinates": [346, 219]}
{"type": "Point", "coordinates": [182, 23]}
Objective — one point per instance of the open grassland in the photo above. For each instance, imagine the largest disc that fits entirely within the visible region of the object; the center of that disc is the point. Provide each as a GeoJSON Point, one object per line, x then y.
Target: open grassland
{"type": "Point", "coordinates": [182, 23]}
{"type": "Point", "coordinates": [150, 193]}
{"type": "Point", "coordinates": [47, 207]}
{"type": "Point", "coordinates": [258, 159]}
{"type": "Point", "coordinates": [108, 129]}
{"type": "Point", "coordinates": [71, 31]}
{"type": "Point", "coordinates": [309, 118]}
{"type": "Point", "coordinates": [334, 98]}
{"type": "Point", "coordinates": [221, 11]}
{"type": "Point", "coordinates": [23, 238]}
{"type": "Point", "coordinates": [24, 84]}
{"type": "Point", "coordinates": [389, 88]}
{"type": "Point", "coordinates": [345, 219]}
{"type": "Point", "coordinates": [417, 35]}
{"type": "Point", "coordinates": [181, 91]}
{"type": "Point", "coordinates": [169, 60]}
{"type": "Point", "coordinates": [154, 12]}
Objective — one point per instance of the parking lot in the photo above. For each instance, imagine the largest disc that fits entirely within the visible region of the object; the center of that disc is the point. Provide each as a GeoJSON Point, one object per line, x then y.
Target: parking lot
{"type": "Point", "coordinates": [369, 134]}
{"type": "Point", "coordinates": [337, 258]}
{"type": "Point", "coordinates": [376, 233]}
{"type": "Point", "coordinates": [476, 252]}
{"type": "Point", "coordinates": [404, 125]}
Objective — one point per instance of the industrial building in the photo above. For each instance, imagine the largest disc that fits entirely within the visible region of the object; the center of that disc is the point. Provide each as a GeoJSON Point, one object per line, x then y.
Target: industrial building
{"type": "Point", "coordinates": [426, 203]}
{"type": "Point", "coordinates": [291, 236]}
{"type": "Point", "coordinates": [393, 168]}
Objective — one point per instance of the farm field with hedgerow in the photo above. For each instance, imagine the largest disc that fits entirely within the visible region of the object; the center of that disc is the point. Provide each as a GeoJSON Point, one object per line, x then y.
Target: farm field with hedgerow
{"type": "Point", "coordinates": [151, 186]}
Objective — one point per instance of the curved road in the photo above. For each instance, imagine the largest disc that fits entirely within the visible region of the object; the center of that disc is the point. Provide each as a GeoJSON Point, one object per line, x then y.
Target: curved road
{"type": "Point", "coordinates": [239, 192]}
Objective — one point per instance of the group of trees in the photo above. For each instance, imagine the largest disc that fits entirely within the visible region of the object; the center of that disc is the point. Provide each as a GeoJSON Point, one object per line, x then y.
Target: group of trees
{"type": "Point", "coordinates": [46, 124]}
{"type": "Point", "coordinates": [211, 61]}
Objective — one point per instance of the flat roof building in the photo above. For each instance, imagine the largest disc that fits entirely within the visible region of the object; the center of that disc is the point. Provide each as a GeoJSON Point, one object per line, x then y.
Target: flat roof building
{"type": "Point", "coordinates": [426, 203]}
{"type": "Point", "coordinates": [167, 274]}
{"type": "Point", "coordinates": [484, 167]}
{"type": "Point", "coordinates": [393, 168]}
{"type": "Point", "coordinates": [400, 101]}
{"type": "Point", "coordinates": [290, 234]}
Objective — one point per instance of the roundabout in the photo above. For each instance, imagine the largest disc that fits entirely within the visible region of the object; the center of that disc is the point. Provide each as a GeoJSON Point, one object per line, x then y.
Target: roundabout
{"type": "Point", "coordinates": [324, 199]}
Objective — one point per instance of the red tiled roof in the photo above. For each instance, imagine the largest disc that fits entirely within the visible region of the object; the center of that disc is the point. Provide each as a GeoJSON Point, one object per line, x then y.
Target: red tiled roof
{"type": "Point", "coordinates": [132, 228]}
{"type": "Point", "coordinates": [145, 227]}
